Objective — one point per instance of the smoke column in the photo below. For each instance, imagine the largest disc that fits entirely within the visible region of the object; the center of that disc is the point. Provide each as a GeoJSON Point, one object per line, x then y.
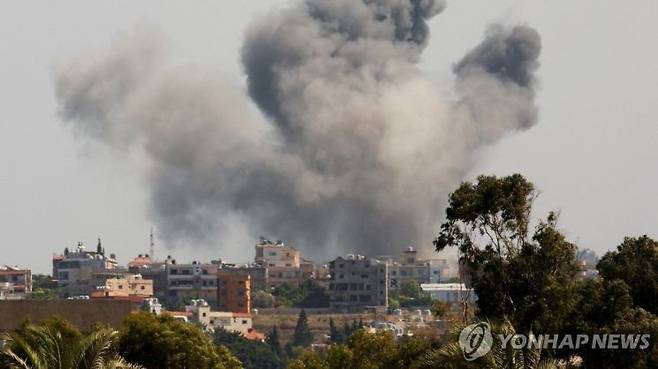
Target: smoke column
{"type": "Point", "coordinates": [356, 150]}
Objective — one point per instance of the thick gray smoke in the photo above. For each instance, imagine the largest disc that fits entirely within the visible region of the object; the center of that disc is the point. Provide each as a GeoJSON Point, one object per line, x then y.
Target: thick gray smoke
{"type": "Point", "coordinates": [357, 151]}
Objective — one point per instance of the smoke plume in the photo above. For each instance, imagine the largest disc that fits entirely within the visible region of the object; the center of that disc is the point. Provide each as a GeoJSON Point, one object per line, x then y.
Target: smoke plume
{"type": "Point", "coordinates": [357, 149]}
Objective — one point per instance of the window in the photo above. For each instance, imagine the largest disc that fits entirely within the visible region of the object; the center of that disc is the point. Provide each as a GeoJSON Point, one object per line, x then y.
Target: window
{"type": "Point", "coordinates": [244, 322]}
{"type": "Point", "coordinates": [204, 315]}
{"type": "Point", "coordinates": [142, 287]}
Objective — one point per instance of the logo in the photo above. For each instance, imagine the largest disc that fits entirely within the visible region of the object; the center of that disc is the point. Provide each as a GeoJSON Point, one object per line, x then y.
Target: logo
{"type": "Point", "coordinates": [475, 340]}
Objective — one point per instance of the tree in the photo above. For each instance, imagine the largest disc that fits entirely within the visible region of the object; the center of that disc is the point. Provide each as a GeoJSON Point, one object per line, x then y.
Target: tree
{"type": "Point", "coordinates": [56, 344]}
{"type": "Point", "coordinates": [367, 351]}
{"type": "Point", "coordinates": [411, 295]}
{"type": "Point", "coordinates": [440, 308]}
{"type": "Point", "coordinates": [164, 342]}
{"type": "Point", "coordinates": [273, 341]}
{"type": "Point", "coordinates": [450, 356]}
{"type": "Point", "coordinates": [309, 294]}
{"type": "Point", "coordinates": [335, 336]}
{"type": "Point", "coordinates": [635, 262]}
{"type": "Point", "coordinates": [527, 279]}
{"type": "Point", "coordinates": [252, 354]}
{"type": "Point", "coordinates": [303, 335]}
{"type": "Point", "coordinates": [43, 287]}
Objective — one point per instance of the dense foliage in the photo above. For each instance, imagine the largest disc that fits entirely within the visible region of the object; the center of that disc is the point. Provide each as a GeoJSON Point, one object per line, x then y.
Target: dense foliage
{"type": "Point", "coordinates": [56, 344]}
{"type": "Point", "coordinates": [309, 294]}
{"type": "Point", "coordinates": [157, 342]}
{"type": "Point", "coordinates": [252, 354]}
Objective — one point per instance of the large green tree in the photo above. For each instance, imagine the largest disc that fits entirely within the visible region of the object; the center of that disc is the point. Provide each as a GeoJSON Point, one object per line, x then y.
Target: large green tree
{"type": "Point", "coordinates": [302, 335]}
{"type": "Point", "coordinates": [252, 354]}
{"type": "Point", "coordinates": [518, 275]}
{"type": "Point", "coordinates": [635, 262]}
{"type": "Point", "coordinates": [157, 342]}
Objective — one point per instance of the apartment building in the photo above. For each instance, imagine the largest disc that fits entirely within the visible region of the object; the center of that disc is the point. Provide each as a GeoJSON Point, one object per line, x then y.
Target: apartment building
{"type": "Point", "coordinates": [15, 282]}
{"type": "Point", "coordinates": [233, 291]}
{"type": "Point", "coordinates": [132, 286]}
{"type": "Point", "coordinates": [151, 269]}
{"type": "Point", "coordinates": [408, 267]}
{"type": "Point", "coordinates": [199, 311]}
{"type": "Point", "coordinates": [192, 281]}
{"type": "Point", "coordinates": [78, 272]}
{"type": "Point", "coordinates": [283, 262]}
{"type": "Point", "coordinates": [358, 282]}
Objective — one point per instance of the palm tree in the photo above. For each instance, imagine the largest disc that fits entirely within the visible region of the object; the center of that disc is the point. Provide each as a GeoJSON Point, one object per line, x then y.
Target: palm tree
{"type": "Point", "coordinates": [46, 347]}
{"type": "Point", "coordinates": [450, 356]}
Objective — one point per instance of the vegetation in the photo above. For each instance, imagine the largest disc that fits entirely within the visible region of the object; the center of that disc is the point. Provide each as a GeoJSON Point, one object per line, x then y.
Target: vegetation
{"type": "Point", "coordinates": [368, 351]}
{"type": "Point", "coordinates": [308, 295]}
{"type": "Point", "coordinates": [530, 278]}
{"type": "Point", "coordinates": [157, 342]}
{"type": "Point", "coordinates": [410, 295]}
{"type": "Point", "coordinates": [524, 274]}
{"type": "Point", "coordinates": [252, 354]}
{"type": "Point", "coordinates": [43, 287]}
{"type": "Point", "coordinates": [303, 336]}
{"type": "Point", "coordinates": [56, 344]}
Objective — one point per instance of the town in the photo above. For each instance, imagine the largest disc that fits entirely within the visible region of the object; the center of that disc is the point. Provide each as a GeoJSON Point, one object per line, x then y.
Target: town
{"type": "Point", "coordinates": [398, 293]}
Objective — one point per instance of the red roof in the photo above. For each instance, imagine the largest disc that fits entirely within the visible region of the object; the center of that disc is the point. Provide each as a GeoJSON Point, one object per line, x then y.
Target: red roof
{"type": "Point", "coordinates": [252, 334]}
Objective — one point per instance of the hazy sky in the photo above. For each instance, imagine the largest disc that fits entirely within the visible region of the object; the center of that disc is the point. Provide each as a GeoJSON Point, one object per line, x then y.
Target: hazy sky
{"type": "Point", "coordinates": [593, 155]}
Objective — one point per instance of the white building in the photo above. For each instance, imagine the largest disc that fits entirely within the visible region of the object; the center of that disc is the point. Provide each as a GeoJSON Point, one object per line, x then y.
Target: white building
{"type": "Point", "coordinates": [449, 292]}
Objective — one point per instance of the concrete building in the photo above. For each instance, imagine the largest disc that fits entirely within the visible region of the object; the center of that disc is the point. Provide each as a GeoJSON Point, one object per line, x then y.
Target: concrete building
{"type": "Point", "coordinates": [284, 263]}
{"type": "Point", "coordinates": [15, 282]}
{"type": "Point", "coordinates": [358, 282]}
{"type": "Point", "coordinates": [192, 281]}
{"type": "Point", "coordinates": [131, 286]}
{"type": "Point", "coordinates": [201, 312]}
{"type": "Point", "coordinates": [257, 274]}
{"type": "Point", "coordinates": [154, 270]}
{"type": "Point", "coordinates": [78, 272]}
{"type": "Point", "coordinates": [408, 267]}
{"type": "Point", "coordinates": [233, 291]}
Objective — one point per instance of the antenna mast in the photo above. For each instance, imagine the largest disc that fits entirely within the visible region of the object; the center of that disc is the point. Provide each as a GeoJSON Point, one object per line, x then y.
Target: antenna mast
{"type": "Point", "coordinates": [152, 246]}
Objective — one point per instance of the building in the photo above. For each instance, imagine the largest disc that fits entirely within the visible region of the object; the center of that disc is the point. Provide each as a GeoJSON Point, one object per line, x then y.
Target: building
{"type": "Point", "coordinates": [200, 312]}
{"type": "Point", "coordinates": [192, 281]}
{"type": "Point", "coordinates": [408, 267]}
{"type": "Point", "coordinates": [153, 270]}
{"type": "Point", "coordinates": [233, 291]}
{"type": "Point", "coordinates": [283, 262]}
{"type": "Point", "coordinates": [15, 282]}
{"type": "Point", "coordinates": [131, 286]}
{"type": "Point", "coordinates": [257, 274]}
{"type": "Point", "coordinates": [358, 282]}
{"type": "Point", "coordinates": [79, 272]}
{"type": "Point", "coordinates": [449, 292]}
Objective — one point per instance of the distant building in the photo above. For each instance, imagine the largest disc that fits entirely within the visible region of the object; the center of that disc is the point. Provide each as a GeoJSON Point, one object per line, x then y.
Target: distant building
{"type": "Point", "coordinates": [358, 282]}
{"type": "Point", "coordinates": [283, 263]}
{"type": "Point", "coordinates": [408, 267]}
{"type": "Point", "coordinates": [78, 272]}
{"type": "Point", "coordinates": [130, 286]}
{"type": "Point", "coordinates": [15, 282]}
{"type": "Point", "coordinates": [233, 291]}
{"type": "Point", "coordinates": [242, 323]}
{"type": "Point", "coordinates": [449, 292]}
{"type": "Point", "coordinates": [192, 281]}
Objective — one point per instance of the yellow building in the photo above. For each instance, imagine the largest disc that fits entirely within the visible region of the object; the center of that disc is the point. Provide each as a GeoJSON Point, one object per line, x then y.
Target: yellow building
{"type": "Point", "coordinates": [132, 285]}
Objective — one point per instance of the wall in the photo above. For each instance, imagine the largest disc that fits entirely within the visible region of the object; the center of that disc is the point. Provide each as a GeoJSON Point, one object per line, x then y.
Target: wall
{"type": "Point", "coordinates": [81, 313]}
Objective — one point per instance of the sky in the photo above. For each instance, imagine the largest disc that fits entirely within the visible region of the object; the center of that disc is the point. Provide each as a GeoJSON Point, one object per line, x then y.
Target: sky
{"type": "Point", "coordinates": [592, 155]}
